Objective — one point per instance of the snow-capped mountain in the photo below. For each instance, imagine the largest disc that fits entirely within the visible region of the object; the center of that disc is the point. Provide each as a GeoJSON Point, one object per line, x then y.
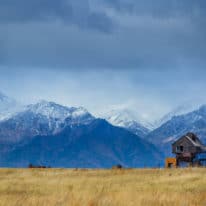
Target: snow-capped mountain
{"type": "Point", "coordinates": [59, 113]}
{"type": "Point", "coordinates": [130, 120]}
{"type": "Point", "coordinates": [51, 134]}
{"type": "Point", "coordinates": [167, 133]}
{"type": "Point", "coordinates": [42, 118]}
{"type": "Point", "coordinates": [8, 107]}
{"type": "Point", "coordinates": [180, 110]}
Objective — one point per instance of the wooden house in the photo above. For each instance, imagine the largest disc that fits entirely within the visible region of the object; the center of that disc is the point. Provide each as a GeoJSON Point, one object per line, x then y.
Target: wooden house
{"type": "Point", "coordinates": [187, 147]}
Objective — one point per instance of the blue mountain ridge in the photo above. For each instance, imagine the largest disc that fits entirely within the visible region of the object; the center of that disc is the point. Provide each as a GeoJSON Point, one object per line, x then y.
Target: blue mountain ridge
{"type": "Point", "coordinates": [173, 129]}
{"type": "Point", "coordinates": [79, 140]}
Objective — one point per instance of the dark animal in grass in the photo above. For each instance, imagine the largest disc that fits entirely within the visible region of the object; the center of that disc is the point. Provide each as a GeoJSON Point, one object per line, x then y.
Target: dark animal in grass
{"type": "Point", "coordinates": [117, 166]}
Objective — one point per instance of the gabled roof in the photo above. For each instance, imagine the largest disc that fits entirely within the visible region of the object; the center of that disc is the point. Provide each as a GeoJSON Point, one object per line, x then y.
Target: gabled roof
{"type": "Point", "coordinates": [194, 140]}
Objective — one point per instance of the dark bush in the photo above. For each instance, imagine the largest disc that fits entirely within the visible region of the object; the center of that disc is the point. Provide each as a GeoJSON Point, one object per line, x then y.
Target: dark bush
{"type": "Point", "coordinates": [118, 166]}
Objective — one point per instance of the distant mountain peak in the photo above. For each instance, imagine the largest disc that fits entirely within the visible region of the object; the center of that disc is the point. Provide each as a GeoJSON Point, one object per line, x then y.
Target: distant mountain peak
{"type": "Point", "coordinates": [128, 119]}
{"type": "Point", "coordinates": [180, 110]}
{"type": "Point", "coordinates": [57, 111]}
{"type": "Point", "coordinates": [121, 116]}
{"type": "Point", "coordinates": [43, 118]}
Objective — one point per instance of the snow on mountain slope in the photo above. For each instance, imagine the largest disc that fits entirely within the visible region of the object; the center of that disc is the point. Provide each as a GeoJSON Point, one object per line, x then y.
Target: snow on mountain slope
{"type": "Point", "coordinates": [167, 133]}
{"type": "Point", "coordinates": [59, 113]}
{"type": "Point", "coordinates": [130, 120]}
{"type": "Point", "coordinates": [95, 145]}
{"type": "Point", "coordinates": [57, 116]}
{"type": "Point", "coordinates": [180, 110]}
{"type": "Point", "coordinates": [8, 107]}
{"type": "Point", "coordinates": [42, 118]}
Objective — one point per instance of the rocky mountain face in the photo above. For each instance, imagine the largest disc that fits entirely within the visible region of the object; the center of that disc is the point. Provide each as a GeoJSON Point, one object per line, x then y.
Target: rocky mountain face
{"type": "Point", "coordinates": [95, 145]}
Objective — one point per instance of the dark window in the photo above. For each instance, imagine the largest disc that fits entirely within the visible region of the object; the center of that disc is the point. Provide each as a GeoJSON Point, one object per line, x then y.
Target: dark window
{"type": "Point", "coordinates": [179, 148]}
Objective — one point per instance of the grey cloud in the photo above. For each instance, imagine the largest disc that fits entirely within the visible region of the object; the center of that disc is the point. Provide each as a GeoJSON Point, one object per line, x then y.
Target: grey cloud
{"type": "Point", "coordinates": [61, 48]}
{"type": "Point", "coordinates": [68, 11]}
{"type": "Point", "coordinates": [30, 36]}
{"type": "Point", "coordinates": [57, 46]}
{"type": "Point", "coordinates": [159, 8]}
{"type": "Point", "coordinates": [27, 10]}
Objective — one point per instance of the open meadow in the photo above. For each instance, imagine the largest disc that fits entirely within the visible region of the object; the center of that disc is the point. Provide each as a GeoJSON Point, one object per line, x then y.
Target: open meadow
{"type": "Point", "coordinates": [126, 187]}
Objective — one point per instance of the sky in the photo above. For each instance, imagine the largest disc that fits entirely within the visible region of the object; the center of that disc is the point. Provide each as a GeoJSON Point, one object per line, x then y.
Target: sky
{"type": "Point", "coordinates": [145, 55]}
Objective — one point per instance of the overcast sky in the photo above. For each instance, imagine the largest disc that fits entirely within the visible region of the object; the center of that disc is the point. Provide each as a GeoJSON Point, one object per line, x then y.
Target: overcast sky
{"type": "Point", "coordinates": [102, 54]}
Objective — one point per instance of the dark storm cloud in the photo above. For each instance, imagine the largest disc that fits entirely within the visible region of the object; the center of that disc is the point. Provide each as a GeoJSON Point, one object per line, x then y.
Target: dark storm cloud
{"type": "Point", "coordinates": [68, 11]}
{"type": "Point", "coordinates": [82, 34]}
{"type": "Point", "coordinates": [26, 10]}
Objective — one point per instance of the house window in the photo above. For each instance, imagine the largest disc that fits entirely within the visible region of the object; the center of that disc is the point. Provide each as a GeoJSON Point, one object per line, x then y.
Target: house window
{"type": "Point", "coordinates": [179, 148]}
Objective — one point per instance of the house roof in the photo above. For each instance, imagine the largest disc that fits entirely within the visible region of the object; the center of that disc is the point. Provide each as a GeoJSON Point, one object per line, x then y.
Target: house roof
{"type": "Point", "coordinates": [194, 140]}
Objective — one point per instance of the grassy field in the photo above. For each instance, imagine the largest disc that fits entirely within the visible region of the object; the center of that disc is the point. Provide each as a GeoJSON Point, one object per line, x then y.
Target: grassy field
{"type": "Point", "coordinates": [59, 187]}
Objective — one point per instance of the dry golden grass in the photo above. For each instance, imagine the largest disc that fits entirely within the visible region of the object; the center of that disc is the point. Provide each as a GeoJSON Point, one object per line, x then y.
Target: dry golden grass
{"type": "Point", "coordinates": [145, 187]}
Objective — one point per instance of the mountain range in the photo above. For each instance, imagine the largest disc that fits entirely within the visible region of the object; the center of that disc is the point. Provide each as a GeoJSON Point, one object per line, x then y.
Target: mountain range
{"type": "Point", "coordinates": [51, 134]}
{"type": "Point", "coordinates": [60, 136]}
{"type": "Point", "coordinates": [177, 126]}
